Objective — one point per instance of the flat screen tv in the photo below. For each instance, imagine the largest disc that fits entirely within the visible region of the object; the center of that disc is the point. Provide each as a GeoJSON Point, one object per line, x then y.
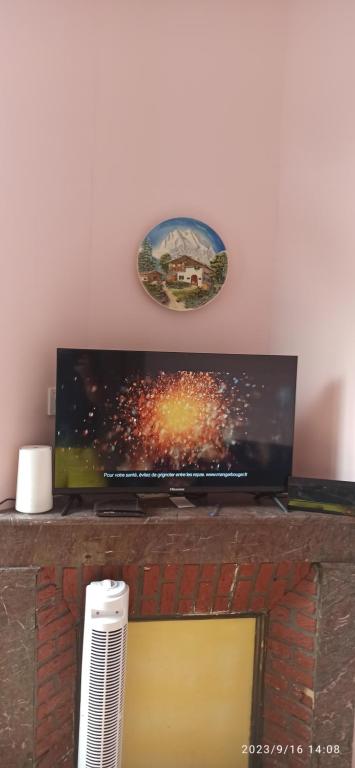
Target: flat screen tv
{"type": "Point", "coordinates": [173, 422]}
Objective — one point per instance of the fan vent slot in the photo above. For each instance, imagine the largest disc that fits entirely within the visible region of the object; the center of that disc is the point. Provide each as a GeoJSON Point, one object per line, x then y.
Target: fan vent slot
{"type": "Point", "coordinates": [105, 703]}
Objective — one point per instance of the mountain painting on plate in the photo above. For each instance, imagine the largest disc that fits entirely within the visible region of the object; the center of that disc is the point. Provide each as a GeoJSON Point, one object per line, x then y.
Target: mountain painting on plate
{"type": "Point", "coordinates": [182, 263]}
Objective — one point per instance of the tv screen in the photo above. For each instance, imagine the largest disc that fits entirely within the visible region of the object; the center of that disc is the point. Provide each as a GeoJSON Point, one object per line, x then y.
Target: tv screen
{"type": "Point", "coordinates": [171, 421]}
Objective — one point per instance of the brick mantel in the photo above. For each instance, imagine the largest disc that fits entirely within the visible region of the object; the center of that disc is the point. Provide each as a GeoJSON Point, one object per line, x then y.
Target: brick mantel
{"type": "Point", "coordinates": [242, 533]}
{"type": "Point", "coordinates": [296, 570]}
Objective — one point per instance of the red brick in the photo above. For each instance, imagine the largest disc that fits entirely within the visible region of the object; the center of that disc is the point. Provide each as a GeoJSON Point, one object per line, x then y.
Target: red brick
{"type": "Point", "coordinates": [284, 704]}
{"type": "Point", "coordinates": [70, 584]}
{"type": "Point", "coordinates": [208, 572]}
{"type": "Point", "coordinates": [68, 675]}
{"type": "Point", "coordinates": [46, 726]}
{"type": "Point", "coordinates": [301, 571]}
{"type": "Point", "coordinates": [275, 732]}
{"type": "Point", "coordinates": [269, 762]}
{"type": "Point", "coordinates": [189, 580]}
{"type": "Point", "coordinates": [241, 595]}
{"type": "Point", "coordinates": [313, 573]}
{"type": "Point", "coordinates": [58, 749]}
{"type": "Point", "coordinates": [221, 604]}
{"type": "Point", "coordinates": [301, 761]}
{"type": "Point", "coordinates": [291, 673]}
{"type": "Point", "coordinates": [149, 608]}
{"type": "Point", "coordinates": [171, 572]}
{"type": "Point", "coordinates": [301, 695]}
{"type": "Point", "coordinates": [306, 587]}
{"type": "Point", "coordinates": [204, 597]}
{"type": "Point", "coordinates": [64, 696]}
{"type": "Point", "coordinates": [264, 577]}
{"type": "Point", "coordinates": [47, 615]}
{"type": "Point", "coordinates": [46, 595]}
{"type": "Point", "coordinates": [75, 611]}
{"type": "Point", "coordinates": [56, 627]}
{"type": "Point", "coordinates": [132, 610]}
{"type": "Point", "coordinates": [280, 612]}
{"type": "Point", "coordinates": [285, 737]}
{"type": "Point", "coordinates": [277, 590]}
{"type": "Point", "coordinates": [247, 570]}
{"type": "Point", "coordinates": [46, 744]}
{"type": "Point", "coordinates": [58, 755]}
{"type": "Point", "coordinates": [257, 603]}
{"type": "Point", "coordinates": [130, 574]}
{"type": "Point", "coordinates": [302, 731]}
{"type": "Point", "coordinates": [91, 573]}
{"type": "Point", "coordinates": [55, 665]}
{"type": "Point", "coordinates": [285, 569]}
{"type": "Point", "coordinates": [52, 722]}
{"type": "Point", "coordinates": [46, 650]}
{"type": "Point", "coordinates": [112, 571]}
{"type": "Point", "coordinates": [279, 649]}
{"type": "Point", "coordinates": [274, 714]}
{"type": "Point", "coordinates": [44, 692]}
{"type": "Point", "coordinates": [46, 574]}
{"type": "Point", "coordinates": [68, 640]}
{"type": "Point", "coordinates": [276, 682]}
{"type": "Point", "coordinates": [226, 578]}
{"type": "Point", "coordinates": [303, 661]}
{"type": "Point", "coordinates": [289, 635]}
{"type": "Point", "coordinates": [289, 742]}
{"type": "Point", "coordinates": [151, 580]}
{"type": "Point", "coordinates": [67, 761]}
{"type": "Point", "coordinates": [186, 607]}
{"type": "Point", "coordinates": [167, 599]}
{"type": "Point", "coordinates": [306, 622]}
{"type": "Point", "coordinates": [305, 604]}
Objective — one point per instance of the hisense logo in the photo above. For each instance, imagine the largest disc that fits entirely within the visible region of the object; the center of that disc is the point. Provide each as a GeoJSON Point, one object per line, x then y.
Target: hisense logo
{"type": "Point", "coordinates": [175, 489]}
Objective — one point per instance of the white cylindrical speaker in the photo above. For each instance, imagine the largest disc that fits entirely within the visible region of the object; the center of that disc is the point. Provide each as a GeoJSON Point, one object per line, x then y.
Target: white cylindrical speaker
{"type": "Point", "coordinates": [34, 479]}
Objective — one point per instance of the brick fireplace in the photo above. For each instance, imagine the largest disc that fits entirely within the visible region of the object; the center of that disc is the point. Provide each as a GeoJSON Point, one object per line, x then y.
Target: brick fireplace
{"type": "Point", "coordinates": [181, 566]}
{"type": "Point", "coordinates": [286, 593]}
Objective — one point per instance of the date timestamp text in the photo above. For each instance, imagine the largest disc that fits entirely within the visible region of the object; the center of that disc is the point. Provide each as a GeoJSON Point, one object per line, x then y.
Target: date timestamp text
{"type": "Point", "coordinates": [290, 749]}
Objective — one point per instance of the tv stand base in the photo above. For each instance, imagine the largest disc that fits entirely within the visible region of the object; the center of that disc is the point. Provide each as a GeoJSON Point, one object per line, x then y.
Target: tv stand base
{"type": "Point", "coordinates": [182, 502]}
{"type": "Point", "coordinates": [274, 497]}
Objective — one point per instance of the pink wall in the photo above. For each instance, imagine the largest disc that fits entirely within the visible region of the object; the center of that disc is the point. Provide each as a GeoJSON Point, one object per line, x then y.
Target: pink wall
{"type": "Point", "coordinates": [116, 115]}
{"type": "Point", "coordinates": [314, 308]}
{"type": "Point", "coordinates": [46, 145]}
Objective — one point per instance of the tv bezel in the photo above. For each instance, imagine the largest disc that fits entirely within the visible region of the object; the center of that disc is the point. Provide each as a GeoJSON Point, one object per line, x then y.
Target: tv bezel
{"type": "Point", "coordinates": [163, 486]}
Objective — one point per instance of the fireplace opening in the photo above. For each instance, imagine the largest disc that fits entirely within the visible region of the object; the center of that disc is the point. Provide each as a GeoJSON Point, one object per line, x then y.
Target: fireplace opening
{"type": "Point", "coordinates": [189, 692]}
{"type": "Point", "coordinates": [281, 598]}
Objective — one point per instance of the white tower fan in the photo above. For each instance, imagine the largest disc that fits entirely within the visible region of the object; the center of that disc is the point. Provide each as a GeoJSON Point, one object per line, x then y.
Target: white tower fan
{"type": "Point", "coordinates": [103, 674]}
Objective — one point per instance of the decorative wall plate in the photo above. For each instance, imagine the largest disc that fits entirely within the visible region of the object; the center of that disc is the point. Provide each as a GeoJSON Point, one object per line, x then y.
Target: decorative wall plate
{"type": "Point", "coordinates": [182, 263]}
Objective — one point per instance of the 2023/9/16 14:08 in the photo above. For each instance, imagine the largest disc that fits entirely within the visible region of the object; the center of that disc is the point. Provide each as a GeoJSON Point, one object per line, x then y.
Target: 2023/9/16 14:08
{"type": "Point", "coordinates": [294, 749]}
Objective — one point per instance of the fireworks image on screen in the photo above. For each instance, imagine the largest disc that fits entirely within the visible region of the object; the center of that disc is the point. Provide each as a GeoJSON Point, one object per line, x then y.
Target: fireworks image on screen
{"type": "Point", "coordinates": [173, 420]}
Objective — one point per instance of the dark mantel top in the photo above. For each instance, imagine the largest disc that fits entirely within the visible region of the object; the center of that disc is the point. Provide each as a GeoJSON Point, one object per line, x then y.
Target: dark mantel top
{"type": "Point", "coordinates": [231, 533]}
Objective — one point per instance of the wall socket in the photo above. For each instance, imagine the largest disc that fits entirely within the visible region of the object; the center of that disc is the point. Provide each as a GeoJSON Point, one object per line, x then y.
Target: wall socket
{"type": "Point", "coordinates": [51, 401]}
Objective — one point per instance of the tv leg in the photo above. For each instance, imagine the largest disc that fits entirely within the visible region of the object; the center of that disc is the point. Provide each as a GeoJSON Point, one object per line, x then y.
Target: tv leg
{"type": "Point", "coordinates": [75, 499]}
{"type": "Point", "coordinates": [280, 504]}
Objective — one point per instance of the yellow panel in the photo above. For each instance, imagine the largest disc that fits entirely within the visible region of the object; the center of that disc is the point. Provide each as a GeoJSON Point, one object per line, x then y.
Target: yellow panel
{"type": "Point", "coordinates": [188, 693]}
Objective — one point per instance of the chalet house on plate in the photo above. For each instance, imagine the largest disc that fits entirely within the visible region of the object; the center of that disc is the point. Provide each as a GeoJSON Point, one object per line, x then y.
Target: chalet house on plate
{"type": "Point", "coordinates": [154, 277]}
{"type": "Point", "coordinates": [184, 269]}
